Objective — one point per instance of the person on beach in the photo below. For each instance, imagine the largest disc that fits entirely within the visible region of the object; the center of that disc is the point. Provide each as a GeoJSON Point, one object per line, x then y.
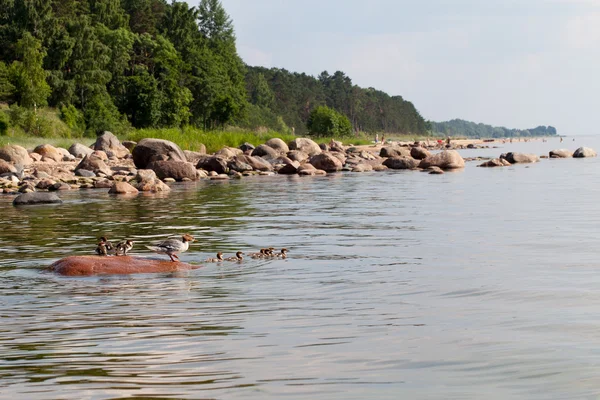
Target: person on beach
{"type": "Point", "coordinates": [382, 140]}
{"type": "Point", "coordinates": [376, 138]}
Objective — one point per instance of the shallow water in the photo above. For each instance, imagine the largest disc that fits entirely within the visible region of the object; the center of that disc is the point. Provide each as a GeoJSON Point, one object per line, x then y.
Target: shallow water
{"type": "Point", "coordinates": [479, 283]}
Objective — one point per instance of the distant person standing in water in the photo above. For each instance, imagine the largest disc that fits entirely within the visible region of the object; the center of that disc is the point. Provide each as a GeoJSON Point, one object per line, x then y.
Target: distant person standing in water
{"type": "Point", "coordinates": [376, 138]}
{"type": "Point", "coordinates": [382, 140]}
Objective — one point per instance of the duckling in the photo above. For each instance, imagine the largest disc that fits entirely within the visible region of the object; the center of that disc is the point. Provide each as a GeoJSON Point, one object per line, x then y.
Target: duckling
{"type": "Point", "coordinates": [101, 250]}
{"type": "Point", "coordinates": [172, 246]}
{"type": "Point", "coordinates": [123, 247]}
{"type": "Point", "coordinates": [218, 259]}
{"type": "Point", "coordinates": [261, 254]}
{"type": "Point", "coordinates": [283, 253]}
{"type": "Point", "coordinates": [238, 257]}
{"type": "Point", "coordinates": [270, 252]}
{"type": "Point", "coordinates": [107, 244]}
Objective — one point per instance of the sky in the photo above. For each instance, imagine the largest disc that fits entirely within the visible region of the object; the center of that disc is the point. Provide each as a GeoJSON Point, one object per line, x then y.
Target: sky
{"type": "Point", "coordinates": [509, 63]}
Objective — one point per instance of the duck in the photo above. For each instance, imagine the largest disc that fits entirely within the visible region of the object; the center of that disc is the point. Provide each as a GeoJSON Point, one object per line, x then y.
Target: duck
{"type": "Point", "coordinates": [261, 254]}
{"type": "Point", "coordinates": [123, 247]}
{"type": "Point", "coordinates": [282, 254]}
{"type": "Point", "coordinates": [101, 250]}
{"type": "Point", "coordinates": [218, 259]}
{"type": "Point", "coordinates": [238, 257]}
{"type": "Point", "coordinates": [107, 244]}
{"type": "Point", "coordinates": [172, 246]}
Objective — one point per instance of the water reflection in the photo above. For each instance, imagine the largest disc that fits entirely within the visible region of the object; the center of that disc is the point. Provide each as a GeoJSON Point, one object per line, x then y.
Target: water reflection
{"type": "Point", "coordinates": [481, 283]}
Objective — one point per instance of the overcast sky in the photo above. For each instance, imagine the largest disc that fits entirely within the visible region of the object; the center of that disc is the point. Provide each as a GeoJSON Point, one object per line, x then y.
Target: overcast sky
{"type": "Point", "coordinates": [515, 63]}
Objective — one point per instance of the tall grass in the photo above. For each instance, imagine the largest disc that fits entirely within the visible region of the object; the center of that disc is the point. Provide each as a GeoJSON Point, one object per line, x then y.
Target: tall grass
{"type": "Point", "coordinates": [30, 142]}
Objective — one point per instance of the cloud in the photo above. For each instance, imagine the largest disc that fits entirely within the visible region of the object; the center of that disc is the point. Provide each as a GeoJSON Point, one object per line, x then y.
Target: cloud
{"type": "Point", "coordinates": [254, 56]}
{"type": "Point", "coordinates": [583, 32]}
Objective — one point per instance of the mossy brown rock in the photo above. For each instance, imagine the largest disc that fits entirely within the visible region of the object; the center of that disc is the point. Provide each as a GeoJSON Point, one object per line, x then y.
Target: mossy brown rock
{"type": "Point", "coordinates": [116, 265]}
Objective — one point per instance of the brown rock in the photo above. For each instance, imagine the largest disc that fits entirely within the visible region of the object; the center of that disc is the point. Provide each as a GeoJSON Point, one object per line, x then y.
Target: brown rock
{"type": "Point", "coordinates": [394, 151]}
{"type": "Point", "coordinates": [448, 159]}
{"type": "Point", "coordinates": [194, 156]}
{"type": "Point", "coordinates": [520, 158]}
{"type": "Point", "coordinates": [177, 170]}
{"type": "Point", "coordinates": [326, 162]}
{"type": "Point", "coordinates": [228, 152]}
{"type": "Point", "coordinates": [79, 150]}
{"type": "Point", "coordinates": [401, 162]}
{"type": "Point", "coordinates": [214, 163]}
{"type": "Point", "coordinates": [129, 144]}
{"type": "Point", "coordinates": [149, 150]}
{"type": "Point", "coordinates": [257, 163]}
{"type": "Point", "coordinates": [35, 157]}
{"type": "Point", "coordinates": [109, 143]}
{"type": "Point", "coordinates": [583, 152]}
{"type": "Point", "coordinates": [15, 154]}
{"type": "Point", "coordinates": [122, 188]}
{"type": "Point", "coordinates": [5, 167]}
{"type": "Point", "coordinates": [49, 152]}
{"type": "Point", "coordinates": [435, 171]}
{"type": "Point", "coordinates": [94, 164]}
{"type": "Point", "coordinates": [419, 153]}
{"type": "Point", "coordinates": [265, 151]}
{"type": "Point", "coordinates": [297, 155]}
{"type": "Point", "coordinates": [121, 265]}
{"type": "Point", "coordinates": [362, 168]}
{"type": "Point", "coordinates": [289, 169]}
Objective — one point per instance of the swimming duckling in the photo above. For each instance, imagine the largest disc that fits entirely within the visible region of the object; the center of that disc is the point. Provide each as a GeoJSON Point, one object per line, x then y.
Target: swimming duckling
{"type": "Point", "coordinates": [172, 246]}
{"type": "Point", "coordinates": [261, 254]}
{"type": "Point", "coordinates": [283, 253]}
{"type": "Point", "coordinates": [123, 247]}
{"type": "Point", "coordinates": [270, 252]}
{"type": "Point", "coordinates": [101, 250]}
{"type": "Point", "coordinates": [238, 257]}
{"type": "Point", "coordinates": [106, 244]}
{"type": "Point", "coordinates": [218, 259]}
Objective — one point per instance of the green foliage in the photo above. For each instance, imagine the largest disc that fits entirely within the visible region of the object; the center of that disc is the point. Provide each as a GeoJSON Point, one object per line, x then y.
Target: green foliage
{"type": "Point", "coordinates": [458, 127]}
{"type": "Point", "coordinates": [73, 118]}
{"type": "Point", "coordinates": [4, 123]}
{"type": "Point", "coordinates": [29, 75]}
{"type": "Point", "coordinates": [43, 123]}
{"type": "Point", "coordinates": [7, 89]}
{"type": "Point", "coordinates": [324, 121]}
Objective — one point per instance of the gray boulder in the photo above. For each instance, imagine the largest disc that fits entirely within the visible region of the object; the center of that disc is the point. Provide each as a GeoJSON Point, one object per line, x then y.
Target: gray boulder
{"type": "Point", "coordinates": [496, 162]}
{"type": "Point", "coordinates": [401, 162]}
{"type": "Point", "coordinates": [149, 150]}
{"type": "Point", "coordinates": [297, 155]}
{"type": "Point", "coordinates": [36, 198]}
{"type": "Point", "coordinates": [306, 145]}
{"type": "Point", "coordinates": [257, 163]}
{"type": "Point", "coordinates": [48, 152]}
{"type": "Point", "coordinates": [448, 159]}
{"type": "Point", "coordinates": [15, 154]}
{"type": "Point", "coordinates": [78, 150]}
{"type": "Point", "coordinates": [560, 153]}
{"type": "Point", "coordinates": [6, 167]}
{"type": "Point", "coordinates": [247, 147]}
{"type": "Point", "coordinates": [239, 166]}
{"type": "Point", "coordinates": [584, 152]}
{"type": "Point", "coordinates": [290, 168]}
{"type": "Point", "coordinates": [520, 158]}
{"type": "Point", "coordinates": [278, 145]}
{"type": "Point", "coordinates": [107, 142]}
{"type": "Point", "coordinates": [85, 173]}
{"type": "Point", "coordinates": [214, 163]}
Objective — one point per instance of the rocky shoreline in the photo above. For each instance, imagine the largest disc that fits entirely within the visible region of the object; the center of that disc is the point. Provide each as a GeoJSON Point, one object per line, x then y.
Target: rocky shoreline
{"type": "Point", "coordinates": [149, 166]}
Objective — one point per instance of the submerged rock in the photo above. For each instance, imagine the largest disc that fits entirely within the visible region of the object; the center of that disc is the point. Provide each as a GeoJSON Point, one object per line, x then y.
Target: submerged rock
{"type": "Point", "coordinates": [560, 153]}
{"type": "Point", "coordinates": [36, 198]}
{"type": "Point", "coordinates": [520, 158]}
{"type": "Point", "coordinates": [116, 265]}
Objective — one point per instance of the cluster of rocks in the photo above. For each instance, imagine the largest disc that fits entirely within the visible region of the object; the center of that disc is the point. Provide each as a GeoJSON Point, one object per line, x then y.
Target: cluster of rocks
{"type": "Point", "coordinates": [147, 166]}
{"type": "Point", "coordinates": [508, 159]}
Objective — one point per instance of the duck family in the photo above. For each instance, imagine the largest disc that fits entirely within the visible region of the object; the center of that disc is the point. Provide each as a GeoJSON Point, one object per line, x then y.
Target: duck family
{"type": "Point", "coordinates": [181, 244]}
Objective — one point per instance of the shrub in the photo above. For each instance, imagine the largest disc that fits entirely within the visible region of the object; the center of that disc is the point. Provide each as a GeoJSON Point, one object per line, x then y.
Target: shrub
{"type": "Point", "coordinates": [4, 123]}
{"type": "Point", "coordinates": [325, 121]}
{"type": "Point", "coordinates": [73, 118]}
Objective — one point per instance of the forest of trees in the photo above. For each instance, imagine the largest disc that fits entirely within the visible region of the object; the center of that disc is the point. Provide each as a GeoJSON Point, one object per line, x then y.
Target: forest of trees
{"type": "Point", "coordinates": [458, 127]}
{"type": "Point", "coordinates": [108, 64]}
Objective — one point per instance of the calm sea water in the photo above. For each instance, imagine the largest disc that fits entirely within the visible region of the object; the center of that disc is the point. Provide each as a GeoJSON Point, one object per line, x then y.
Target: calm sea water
{"type": "Point", "coordinates": [476, 284]}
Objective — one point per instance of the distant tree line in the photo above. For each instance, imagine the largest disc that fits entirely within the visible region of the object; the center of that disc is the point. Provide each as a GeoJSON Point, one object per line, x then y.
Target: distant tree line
{"type": "Point", "coordinates": [292, 96]}
{"type": "Point", "coordinates": [459, 127]}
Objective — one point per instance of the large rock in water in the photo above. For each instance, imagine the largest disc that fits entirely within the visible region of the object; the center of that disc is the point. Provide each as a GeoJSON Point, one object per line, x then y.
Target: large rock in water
{"type": "Point", "coordinates": [36, 198]}
{"type": "Point", "coordinates": [116, 265]}
{"type": "Point", "coordinates": [94, 164]}
{"type": "Point", "coordinates": [265, 151]}
{"type": "Point", "coordinates": [177, 170]}
{"type": "Point", "coordinates": [560, 153]}
{"type": "Point", "coordinates": [257, 163]}
{"type": "Point", "coordinates": [306, 145]}
{"type": "Point", "coordinates": [214, 163]}
{"type": "Point", "coordinates": [419, 153]}
{"type": "Point", "coordinates": [520, 158]}
{"type": "Point", "coordinates": [584, 152]}
{"type": "Point", "coordinates": [448, 159]}
{"type": "Point", "coordinates": [326, 162]}
{"type": "Point", "coordinates": [107, 142]}
{"type": "Point", "coordinates": [401, 162]}
{"type": "Point", "coordinates": [15, 154]}
{"type": "Point", "coordinates": [149, 150]}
